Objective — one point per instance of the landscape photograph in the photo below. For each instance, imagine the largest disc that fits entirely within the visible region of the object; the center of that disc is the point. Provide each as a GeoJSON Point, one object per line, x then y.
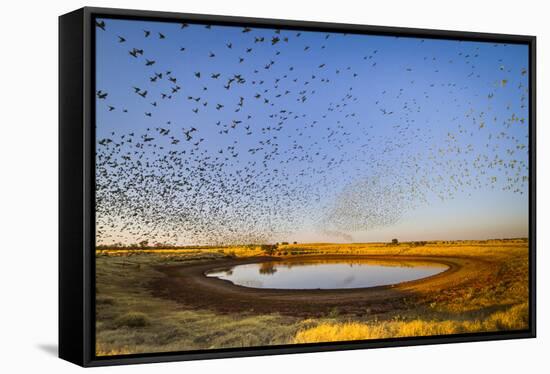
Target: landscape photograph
{"type": "Point", "coordinates": [262, 187]}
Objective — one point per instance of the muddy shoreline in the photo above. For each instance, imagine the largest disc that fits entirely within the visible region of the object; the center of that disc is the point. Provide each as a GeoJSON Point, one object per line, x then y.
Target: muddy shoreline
{"type": "Point", "coordinates": [187, 285]}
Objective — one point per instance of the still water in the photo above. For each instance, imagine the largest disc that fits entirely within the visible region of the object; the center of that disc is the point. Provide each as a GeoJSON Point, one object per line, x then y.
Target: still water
{"type": "Point", "coordinates": [326, 274]}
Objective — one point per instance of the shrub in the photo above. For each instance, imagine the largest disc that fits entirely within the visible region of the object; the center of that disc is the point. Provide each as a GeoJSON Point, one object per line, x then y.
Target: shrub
{"type": "Point", "coordinates": [419, 243]}
{"type": "Point", "coordinates": [334, 312]}
{"type": "Point", "coordinates": [133, 319]}
{"type": "Point", "coordinates": [104, 300]}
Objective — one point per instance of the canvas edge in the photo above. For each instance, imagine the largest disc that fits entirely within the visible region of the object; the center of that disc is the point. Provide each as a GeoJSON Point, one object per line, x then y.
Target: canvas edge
{"type": "Point", "coordinates": [71, 300]}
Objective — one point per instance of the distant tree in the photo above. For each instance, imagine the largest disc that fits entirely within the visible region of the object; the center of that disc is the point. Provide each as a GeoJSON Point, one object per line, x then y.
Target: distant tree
{"type": "Point", "coordinates": [144, 243]}
{"type": "Point", "coordinates": [395, 241]}
{"type": "Point", "coordinates": [294, 242]}
{"type": "Point", "coordinates": [284, 243]}
{"type": "Point", "coordinates": [269, 249]}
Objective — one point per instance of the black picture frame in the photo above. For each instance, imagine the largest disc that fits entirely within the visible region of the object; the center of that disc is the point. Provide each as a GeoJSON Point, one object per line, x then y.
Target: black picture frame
{"type": "Point", "coordinates": [76, 185]}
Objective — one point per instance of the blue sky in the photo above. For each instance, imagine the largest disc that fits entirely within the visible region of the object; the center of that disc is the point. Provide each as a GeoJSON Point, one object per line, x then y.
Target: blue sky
{"type": "Point", "coordinates": [369, 137]}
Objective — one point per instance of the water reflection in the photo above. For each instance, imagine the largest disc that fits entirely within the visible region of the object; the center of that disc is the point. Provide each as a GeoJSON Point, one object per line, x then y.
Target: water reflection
{"type": "Point", "coordinates": [267, 268]}
{"type": "Point", "coordinates": [326, 274]}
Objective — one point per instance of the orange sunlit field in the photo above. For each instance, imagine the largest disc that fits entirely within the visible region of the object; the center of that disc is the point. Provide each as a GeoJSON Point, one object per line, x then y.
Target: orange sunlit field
{"type": "Point", "coordinates": [487, 291]}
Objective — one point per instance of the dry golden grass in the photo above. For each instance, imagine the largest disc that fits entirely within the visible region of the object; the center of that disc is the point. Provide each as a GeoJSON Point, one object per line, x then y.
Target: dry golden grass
{"type": "Point", "coordinates": [100, 350]}
{"type": "Point", "coordinates": [490, 249]}
{"type": "Point", "coordinates": [130, 320]}
{"type": "Point", "coordinates": [515, 318]}
{"type": "Point", "coordinates": [473, 248]}
{"type": "Point", "coordinates": [234, 251]}
{"type": "Point", "coordinates": [490, 293]}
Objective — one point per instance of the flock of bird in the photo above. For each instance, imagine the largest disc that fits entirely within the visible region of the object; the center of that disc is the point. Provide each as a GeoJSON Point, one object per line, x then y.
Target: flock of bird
{"type": "Point", "coordinates": [291, 143]}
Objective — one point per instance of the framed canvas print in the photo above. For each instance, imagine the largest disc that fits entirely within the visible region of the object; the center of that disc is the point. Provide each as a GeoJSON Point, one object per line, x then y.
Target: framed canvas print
{"type": "Point", "coordinates": [236, 186]}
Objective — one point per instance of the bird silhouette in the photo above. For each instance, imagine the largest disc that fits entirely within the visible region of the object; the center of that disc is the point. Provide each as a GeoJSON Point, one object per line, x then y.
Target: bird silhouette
{"type": "Point", "coordinates": [100, 24]}
{"type": "Point", "coordinates": [303, 133]}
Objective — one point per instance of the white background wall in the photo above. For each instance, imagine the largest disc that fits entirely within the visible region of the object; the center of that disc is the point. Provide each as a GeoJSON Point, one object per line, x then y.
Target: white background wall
{"type": "Point", "coordinates": [28, 184]}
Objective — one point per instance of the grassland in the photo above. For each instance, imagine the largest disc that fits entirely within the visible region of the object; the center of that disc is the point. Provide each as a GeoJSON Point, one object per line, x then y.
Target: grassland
{"type": "Point", "coordinates": [488, 293]}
